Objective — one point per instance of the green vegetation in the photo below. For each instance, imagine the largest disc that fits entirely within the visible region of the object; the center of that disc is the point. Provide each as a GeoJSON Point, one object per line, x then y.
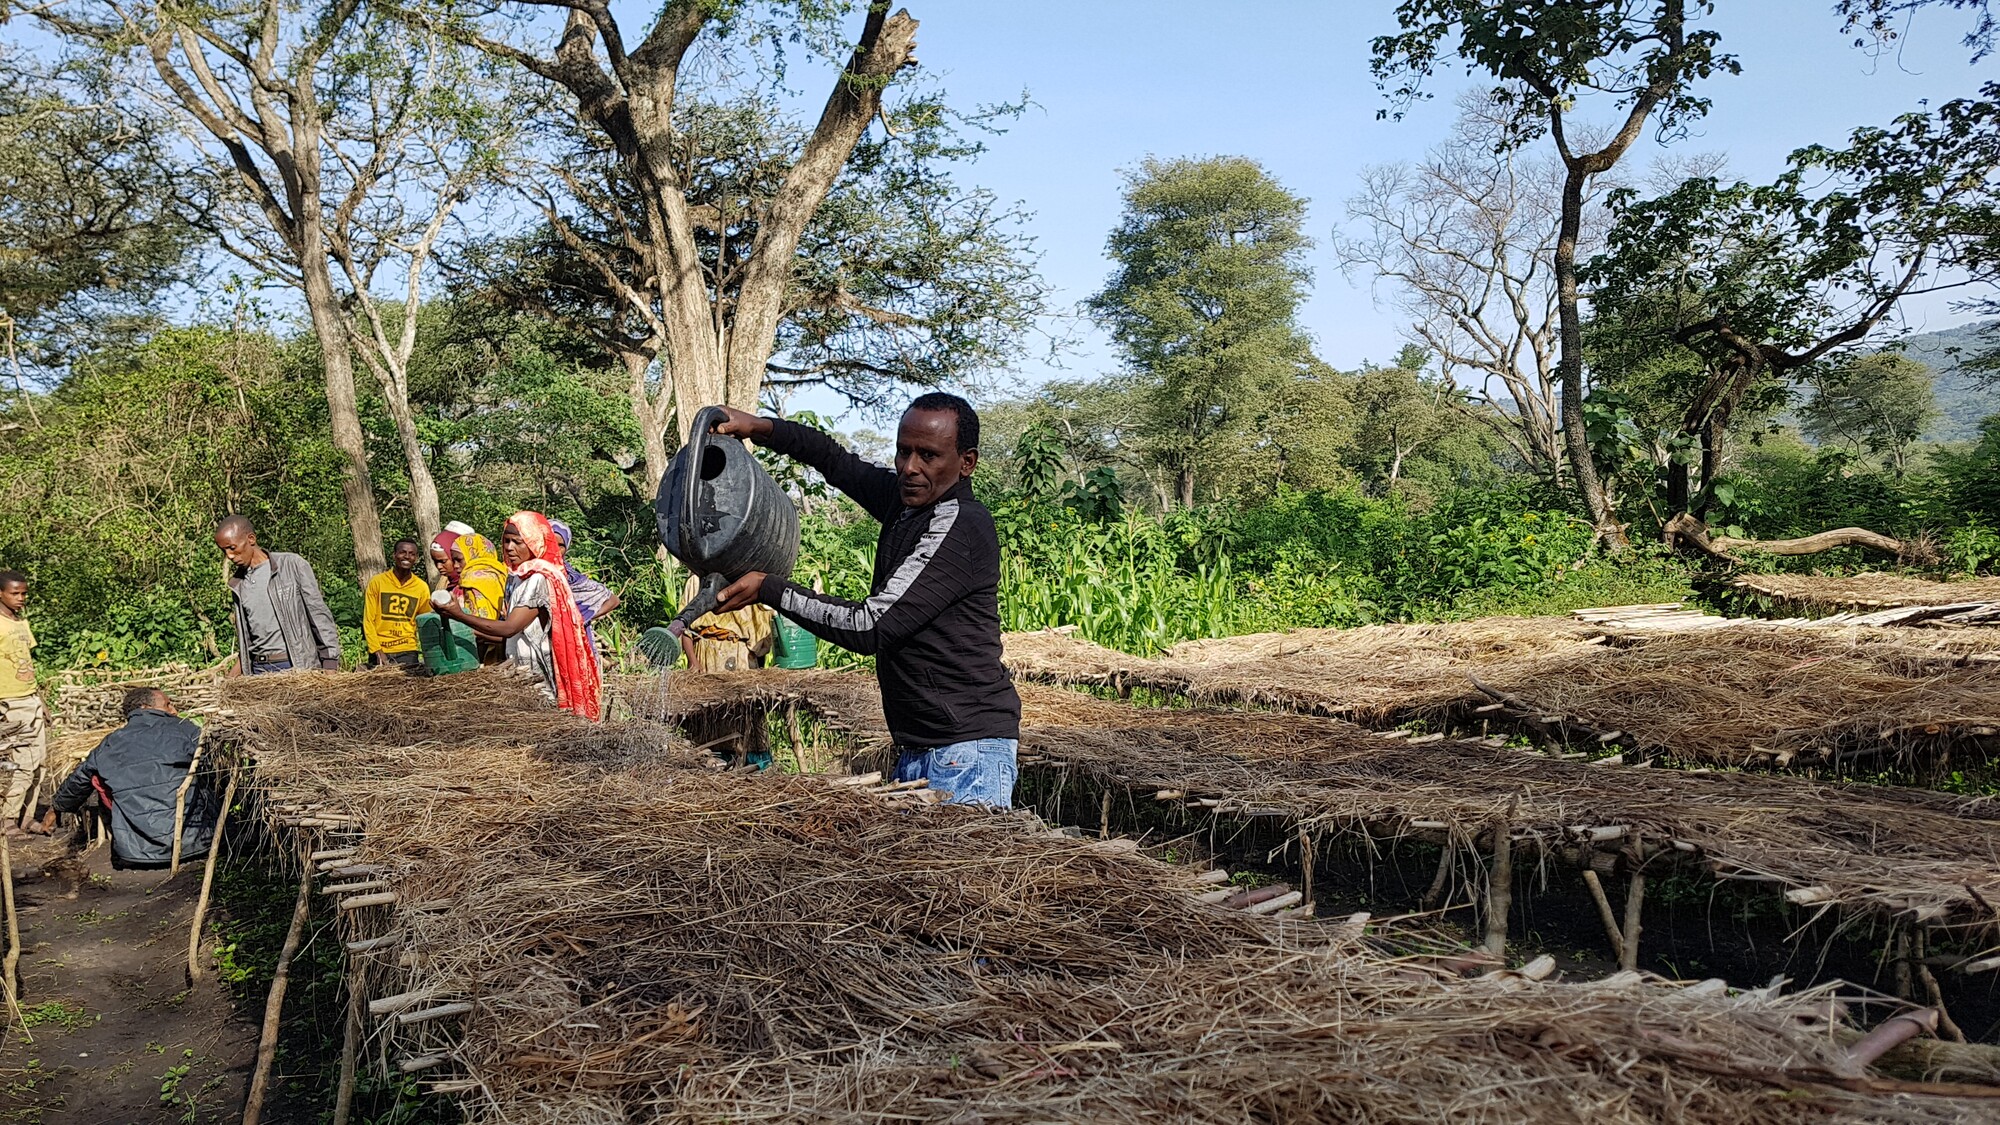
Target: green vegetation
{"type": "Point", "coordinates": [55, 1013]}
{"type": "Point", "coordinates": [508, 296]}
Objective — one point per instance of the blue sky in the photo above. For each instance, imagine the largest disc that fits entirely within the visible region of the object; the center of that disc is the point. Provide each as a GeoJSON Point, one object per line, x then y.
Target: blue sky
{"type": "Point", "coordinates": [1286, 82]}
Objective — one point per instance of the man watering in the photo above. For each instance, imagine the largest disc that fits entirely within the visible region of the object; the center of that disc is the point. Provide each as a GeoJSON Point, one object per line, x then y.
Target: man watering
{"type": "Point", "coordinates": [932, 618]}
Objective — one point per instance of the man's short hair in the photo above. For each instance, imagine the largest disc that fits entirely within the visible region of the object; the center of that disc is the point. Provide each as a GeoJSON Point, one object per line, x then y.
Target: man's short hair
{"type": "Point", "coordinates": [140, 698]}
{"type": "Point", "coordinates": [239, 525]}
{"type": "Point", "coordinates": [398, 545]}
{"type": "Point", "coordinates": [12, 578]}
{"type": "Point", "coordinates": [968, 418]}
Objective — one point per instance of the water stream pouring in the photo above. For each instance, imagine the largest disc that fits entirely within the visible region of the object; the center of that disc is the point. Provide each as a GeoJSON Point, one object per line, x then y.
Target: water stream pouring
{"type": "Point", "coordinates": [722, 515]}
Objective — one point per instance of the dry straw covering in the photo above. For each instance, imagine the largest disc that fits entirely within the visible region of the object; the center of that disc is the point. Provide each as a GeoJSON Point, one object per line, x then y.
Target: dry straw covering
{"type": "Point", "coordinates": [1865, 591]}
{"type": "Point", "coordinates": [592, 925]}
{"type": "Point", "coordinates": [1746, 694]}
{"type": "Point", "coordinates": [1907, 854]}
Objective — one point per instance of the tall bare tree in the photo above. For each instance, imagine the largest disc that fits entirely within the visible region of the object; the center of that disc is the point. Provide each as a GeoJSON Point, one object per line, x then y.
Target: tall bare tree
{"type": "Point", "coordinates": [419, 132]}
{"type": "Point", "coordinates": [244, 80]}
{"type": "Point", "coordinates": [1466, 238]}
{"type": "Point", "coordinates": [1552, 60]}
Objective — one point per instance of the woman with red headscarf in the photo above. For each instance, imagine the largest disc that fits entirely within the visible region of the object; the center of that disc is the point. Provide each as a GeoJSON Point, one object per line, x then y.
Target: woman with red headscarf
{"type": "Point", "coordinates": [541, 623]}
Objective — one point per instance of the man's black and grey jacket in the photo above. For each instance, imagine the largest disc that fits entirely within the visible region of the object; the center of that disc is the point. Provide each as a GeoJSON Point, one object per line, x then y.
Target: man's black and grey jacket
{"type": "Point", "coordinates": [932, 617]}
{"type": "Point", "coordinates": [138, 771]}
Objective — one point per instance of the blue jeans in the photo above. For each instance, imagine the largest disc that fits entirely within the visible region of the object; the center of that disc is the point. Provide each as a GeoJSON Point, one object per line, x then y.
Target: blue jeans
{"type": "Point", "coordinates": [979, 772]}
{"type": "Point", "coordinates": [265, 668]}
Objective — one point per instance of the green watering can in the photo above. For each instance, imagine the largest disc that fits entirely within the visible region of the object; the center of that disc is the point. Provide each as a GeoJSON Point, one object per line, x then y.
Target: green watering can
{"type": "Point", "coordinates": [446, 650]}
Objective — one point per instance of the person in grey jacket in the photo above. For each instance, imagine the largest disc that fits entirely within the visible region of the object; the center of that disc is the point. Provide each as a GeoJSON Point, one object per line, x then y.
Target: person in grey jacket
{"type": "Point", "coordinates": [138, 771]}
{"type": "Point", "coordinates": [282, 621]}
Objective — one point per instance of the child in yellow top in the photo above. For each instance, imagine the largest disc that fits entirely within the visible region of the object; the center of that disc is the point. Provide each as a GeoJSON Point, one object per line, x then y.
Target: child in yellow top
{"type": "Point", "coordinates": [23, 725]}
{"type": "Point", "coordinates": [389, 609]}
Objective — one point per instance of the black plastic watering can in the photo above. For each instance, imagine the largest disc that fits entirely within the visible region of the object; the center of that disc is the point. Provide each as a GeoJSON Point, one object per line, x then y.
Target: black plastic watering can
{"type": "Point", "coordinates": [722, 515]}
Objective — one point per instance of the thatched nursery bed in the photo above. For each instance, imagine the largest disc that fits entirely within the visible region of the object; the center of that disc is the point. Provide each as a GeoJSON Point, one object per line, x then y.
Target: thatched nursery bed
{"type": "Point", "coordinates": [1745, 694]}
{"type": "Point", "coordinates": [566, 923]}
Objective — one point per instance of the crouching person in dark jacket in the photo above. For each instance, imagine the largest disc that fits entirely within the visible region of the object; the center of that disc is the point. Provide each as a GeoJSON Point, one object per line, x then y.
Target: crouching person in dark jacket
{"type": "Point", "coordinates": [137, 771]}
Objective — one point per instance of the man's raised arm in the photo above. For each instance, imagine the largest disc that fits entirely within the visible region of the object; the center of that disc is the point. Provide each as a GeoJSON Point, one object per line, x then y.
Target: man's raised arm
{"type": "Point", "coordinates": [870, 485]}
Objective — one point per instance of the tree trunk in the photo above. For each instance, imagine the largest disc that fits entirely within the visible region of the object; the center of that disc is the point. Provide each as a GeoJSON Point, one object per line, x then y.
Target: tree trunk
{"type": "Point", "coordinates": [357, 484]}
{"type": "Point", "coordinates": [1569, 365]}
{"type": "Point", "coordinates": [646, 411]}
{"type": "Point", "coordinates": [1685, 527]}
{"type": "Point", "coordinates": [1184, 486]}
{"type": "Point", "coordinates": [423, 486]}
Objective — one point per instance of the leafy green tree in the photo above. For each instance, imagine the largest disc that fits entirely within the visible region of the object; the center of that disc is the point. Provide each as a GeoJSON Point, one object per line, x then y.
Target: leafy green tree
{"type": "Point", "coordinates": [1204, 301]}
{"type": "Point", "coordinates": [1874, 404]}
{"type": "Point", "coordinates": [110, 502]}
{"type": "Point", "coordinates": [1398, 412]}
{"type": "Point", "coordinates": [713, 319]}
{"type": "Point", "coordinates": [89, 228]}
{"type": "Point", "coordinates": [901, 278]}
{"type": "Point", "coordinates": [1551, 61]}
{"type": "Point", "coordinates": [1760, 283]}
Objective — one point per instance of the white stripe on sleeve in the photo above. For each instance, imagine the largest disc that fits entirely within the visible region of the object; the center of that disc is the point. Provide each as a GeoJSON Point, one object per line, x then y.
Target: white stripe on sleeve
{"type": "Point", "coordinates": [862, 618]}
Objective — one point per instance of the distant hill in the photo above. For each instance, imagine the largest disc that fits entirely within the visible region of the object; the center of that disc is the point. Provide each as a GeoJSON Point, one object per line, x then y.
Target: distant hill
{"type": "Point", "coordinates": [1962, 402]}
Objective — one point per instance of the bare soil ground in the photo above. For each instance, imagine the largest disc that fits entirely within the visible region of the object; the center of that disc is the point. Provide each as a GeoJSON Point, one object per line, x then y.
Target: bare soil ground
{"type": "Point", "coordinates": [114, 1032]}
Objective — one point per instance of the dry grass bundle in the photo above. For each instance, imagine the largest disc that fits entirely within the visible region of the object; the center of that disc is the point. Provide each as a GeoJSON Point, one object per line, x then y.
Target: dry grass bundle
{"type": "Point", "coordinates": [635, 938]}
{"type": "Point", "coordinates": [1768, 696]}
{"type": "Point", "coordinates": [1866, 591]}
{"type": "Point", "coordinates": [1378, 673]}
{"type": "Point", "coordinates": [1745, 694]}
{"type": "Point", "coordinates": [90, 698]}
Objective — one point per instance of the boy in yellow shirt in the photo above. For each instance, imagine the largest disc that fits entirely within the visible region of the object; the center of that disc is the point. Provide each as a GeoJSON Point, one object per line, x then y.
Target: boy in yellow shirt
{"type": "Point", "coordinates": [24, 730]}
{"type": "Point", "coordinates": [389, 610]}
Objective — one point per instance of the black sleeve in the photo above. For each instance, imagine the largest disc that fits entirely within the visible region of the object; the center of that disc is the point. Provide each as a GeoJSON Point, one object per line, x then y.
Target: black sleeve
{"type": "Point", "coordinates": [872, 486]}
{"type": "Point", "coordinates": [945, 565]}
{"type": "Point", "coordinates": [75, 789]}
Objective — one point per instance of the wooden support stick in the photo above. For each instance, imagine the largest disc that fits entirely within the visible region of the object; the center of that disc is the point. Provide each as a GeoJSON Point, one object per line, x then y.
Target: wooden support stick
{"type": "Point", "coordinates": [181, 805]}
{"type": "Point", "coordinates": [1500, 890]}
{"type": "Point", "coordinates": [379, 898]}
{"type": "Point", "coordinates": [1104, 815]}
{"type": "Point", "coordinates": [442, 1011]}
{"type": "Point", "coordinates": [366, 944]}
{"type": "Point", "coordinates": [1438, 880]}
{"type": "Point", "coordinates": [1947, 1027]}
{"type": "Point", "coordinates": [350, 1046]}
{"type": "Point", "coordinates": [11, 968]}
{"type": "Point", "coordinates": [1306, 866]}
{"type": "Point", "coordinates": [274, 1005]}
{"type": "Point", "coordinates": [1604, 914]}
{"type": "Point", "coordinates": [795, 736]}
{"type": "Point", "coordinates": [1628, 957]}
{"type": "Point", "coordinates": [208, 879]}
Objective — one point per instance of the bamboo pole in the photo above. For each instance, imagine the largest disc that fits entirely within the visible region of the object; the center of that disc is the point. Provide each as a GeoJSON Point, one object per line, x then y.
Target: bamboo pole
{"type": "Point", "coordinates": [12, 966]}
{"type": "Point", "coordinates": [274, 1004]}
{"type": "Point", "coordinates": [1500, 890]}
{"type": "Point", "coordinates": [180, 807]}
{"type": "Point", "coordinates": [208, 879]}
{"type": "Point", "coordinates": [1628, 957]}
{"type": "Point", "coordinates": [1605, 915]}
